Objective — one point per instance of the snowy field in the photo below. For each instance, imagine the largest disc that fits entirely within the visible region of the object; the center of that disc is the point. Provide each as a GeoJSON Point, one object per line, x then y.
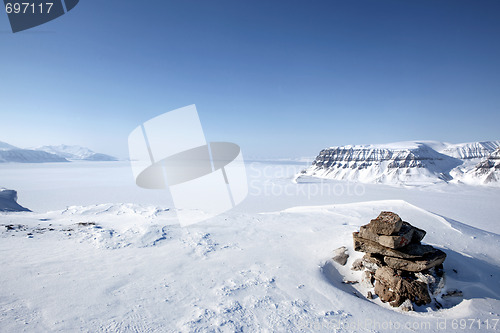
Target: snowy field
{"type": "Point", "coordinates": [100, 254]}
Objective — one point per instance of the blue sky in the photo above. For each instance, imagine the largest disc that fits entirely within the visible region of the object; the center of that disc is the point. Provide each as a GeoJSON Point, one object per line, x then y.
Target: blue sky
{"type": "Point", "coordinates": [280, 78]}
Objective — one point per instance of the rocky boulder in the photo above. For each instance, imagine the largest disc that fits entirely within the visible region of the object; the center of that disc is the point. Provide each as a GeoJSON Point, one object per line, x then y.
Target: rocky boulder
{"type": "Point", "coordinates": [403, 270]}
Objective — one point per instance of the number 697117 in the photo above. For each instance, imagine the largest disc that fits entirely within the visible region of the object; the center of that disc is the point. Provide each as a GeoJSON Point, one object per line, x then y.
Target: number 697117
{"type": "Point", "coordinates": [28, 8]}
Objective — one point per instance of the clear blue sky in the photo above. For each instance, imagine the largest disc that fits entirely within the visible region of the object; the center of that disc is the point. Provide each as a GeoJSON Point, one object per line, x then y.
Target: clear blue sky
{"type": "Point", "coordinates": [280, 78]}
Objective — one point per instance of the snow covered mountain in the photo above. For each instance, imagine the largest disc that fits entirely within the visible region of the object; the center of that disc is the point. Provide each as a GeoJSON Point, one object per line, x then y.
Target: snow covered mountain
{"type": "Point", "coordinates": [423, 162]}
{"type": "Point", "coordinates": [466, 151]}
{"type": "Point", "coordinates": [9, 153]}
{"type": "Point", "coordinates": [45, 154]}
{"type": "Point", "coordinates": [6, 146]}
{"type": "Point", "coordinates": [485, 172]}
{"type": "Point", "coordinates": [76, 153]}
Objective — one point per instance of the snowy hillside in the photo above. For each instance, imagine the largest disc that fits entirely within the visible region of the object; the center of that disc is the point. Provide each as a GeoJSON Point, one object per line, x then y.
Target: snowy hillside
{"type": "Point", "coordinates": [8, 201]}
{"type": "Point", "coordinates": [9, 153]}
{"type": "Point", "coordinates": [423, 162]}
{"type": "Point", "coordinates": [487, 171]}
{"type": "Point", "coordinates": [6, 146]}
{"type": "Point", "coordinates": [470, 150]}
{"type": "Point", "coordinates": [45, 154]}
{"type": "Point", "coordinates": [76, 153]}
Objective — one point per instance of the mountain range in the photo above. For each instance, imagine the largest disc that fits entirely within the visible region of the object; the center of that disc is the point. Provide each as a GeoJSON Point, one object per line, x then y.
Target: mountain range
{"type": "Point", "coordinates": [45, 154]}
{"type": "Point", "coordinates": [411, 163]}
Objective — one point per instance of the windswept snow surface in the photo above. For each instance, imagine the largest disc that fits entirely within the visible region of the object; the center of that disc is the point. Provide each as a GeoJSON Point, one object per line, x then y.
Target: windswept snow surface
{"type": "Point", "coordinates": [125, 267]}
{"type": "Point", "coordinates": [80, 265]}
{"type": "Point", "coordinates": [408, 163]}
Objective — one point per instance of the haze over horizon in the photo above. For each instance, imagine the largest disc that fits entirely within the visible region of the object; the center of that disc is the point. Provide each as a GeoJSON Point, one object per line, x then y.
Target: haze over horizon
{"type": "Point", "coordinates": [281, 79]}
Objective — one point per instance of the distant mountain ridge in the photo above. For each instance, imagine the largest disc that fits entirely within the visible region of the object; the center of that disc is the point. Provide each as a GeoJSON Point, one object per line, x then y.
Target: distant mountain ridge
{"type": "Point", "coordinates": [487, 171]}
{"type": "Point", "coordinates": [413, 162]}
{"type": "Point", "coordinates": [76, 153]}
{"type": "Point", "coordinates": [6, 146]}
{"type": "Point", "coordinates": [47, 154]}
{"type": "Point", "coordinates": [469, 150]}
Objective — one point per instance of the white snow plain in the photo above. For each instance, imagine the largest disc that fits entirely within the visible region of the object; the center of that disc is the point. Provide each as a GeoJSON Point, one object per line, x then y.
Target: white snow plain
{"type": "Point", "coordinates": [99, 254]}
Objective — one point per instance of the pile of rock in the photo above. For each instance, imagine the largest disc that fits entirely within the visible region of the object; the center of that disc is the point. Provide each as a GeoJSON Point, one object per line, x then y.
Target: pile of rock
{"type": "Point", "coordinates": [401, 269]}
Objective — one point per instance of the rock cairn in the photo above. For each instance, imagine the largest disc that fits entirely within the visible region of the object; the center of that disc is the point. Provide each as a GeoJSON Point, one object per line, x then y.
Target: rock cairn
{"type": "Point", "coordinates": [402, 270]}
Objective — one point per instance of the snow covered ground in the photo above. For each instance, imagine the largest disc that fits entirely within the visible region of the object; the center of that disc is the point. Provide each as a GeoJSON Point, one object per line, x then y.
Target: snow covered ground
{"type": "Point", "coordinates": [100, 254]}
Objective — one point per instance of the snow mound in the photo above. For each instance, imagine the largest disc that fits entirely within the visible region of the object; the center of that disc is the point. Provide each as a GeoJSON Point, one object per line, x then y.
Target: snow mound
{"type": "Point", "coordinates": [8, 201]}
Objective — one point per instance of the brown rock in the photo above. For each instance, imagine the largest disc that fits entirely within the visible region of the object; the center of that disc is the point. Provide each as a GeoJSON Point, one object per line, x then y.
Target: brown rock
{"type": "Point", "coordinates": [373, 259]}
{"type": "Point", "coordinates": [340, 255]}
{"type": "Point", "coordinates": [411, 251]}
{"type": "Point", "coordinates": [384, 292]}
{"type": "Point", "coordinates": [402, 238]}
{"type": "Point", "coordinates": [429, 261]}
{"type": "Point", "coordinates": [387, 275]}
{"type": "Point", "coordinates": [400, 289]}
{"type": "Point", "coordinates": [386, 223]}
{"type": "Point", "coordinates": [418, 234]}
{"type": "Point", "coordinates": [416, 291]}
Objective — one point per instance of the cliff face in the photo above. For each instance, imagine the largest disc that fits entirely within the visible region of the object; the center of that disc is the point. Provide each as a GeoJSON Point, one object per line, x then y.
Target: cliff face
{"type": "Point", "coordinates": [472, 150]}
{"type": "Point", "coordinates": [360, 157]}
{"type": "Point", "coordinates": [407, 162]}
{"type": "Point", "coordinates": [488, 170]}
{"type": "Point", "coordinates": [8, 201]}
